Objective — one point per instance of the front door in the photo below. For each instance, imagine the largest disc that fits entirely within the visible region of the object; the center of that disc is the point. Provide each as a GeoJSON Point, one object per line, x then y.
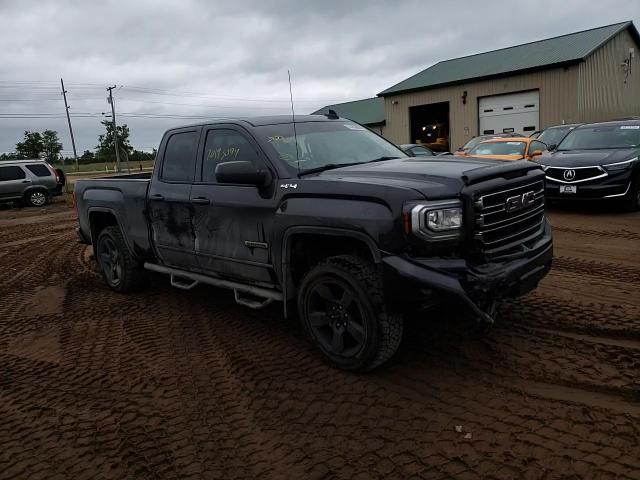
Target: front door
{"type": "Point", "coordinates": [169, 205]}
{"type": "Point", "coordinates": [232, 223]}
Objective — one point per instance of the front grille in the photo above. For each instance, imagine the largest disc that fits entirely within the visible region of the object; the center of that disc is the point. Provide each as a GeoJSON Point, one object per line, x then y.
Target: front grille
{"type": "Point", "coordinates": [506, 219]}
{"type": "Point", "coordinates": [574, 175]}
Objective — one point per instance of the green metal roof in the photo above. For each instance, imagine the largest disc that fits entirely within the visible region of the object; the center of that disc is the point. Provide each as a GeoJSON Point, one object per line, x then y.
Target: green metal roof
{"type": "Point", "coordinates": [563, 50]}
{"type": "Point", "coordinates": [369, 111]}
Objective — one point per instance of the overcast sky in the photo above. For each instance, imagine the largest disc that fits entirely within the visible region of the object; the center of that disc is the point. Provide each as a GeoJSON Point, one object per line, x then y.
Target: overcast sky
{"type": "Point", "coordinates": [216, 59]}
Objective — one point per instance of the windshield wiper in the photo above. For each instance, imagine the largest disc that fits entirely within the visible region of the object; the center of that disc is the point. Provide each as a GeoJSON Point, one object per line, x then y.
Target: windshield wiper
{"type": "Point", "coordinates": [328, 166]}
{"type": "Point", "coordinates": [381, 159]}
{"type": "Point", "coordinates": [331, 166]}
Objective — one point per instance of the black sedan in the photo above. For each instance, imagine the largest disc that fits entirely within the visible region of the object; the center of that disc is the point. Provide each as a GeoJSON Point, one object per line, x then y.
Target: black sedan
{"type": "Point", "coordinates": [594, 162]}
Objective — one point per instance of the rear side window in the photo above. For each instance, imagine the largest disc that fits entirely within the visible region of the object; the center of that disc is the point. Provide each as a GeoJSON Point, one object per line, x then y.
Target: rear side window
{"type": "Point", "coordinates": [179, 157]}
{"type": "Point", "coordinates": [39, 170]}
{"type": "Point", "coordinates": [11, 173]}
{"type": "Point", "coordinates": [226, 146]}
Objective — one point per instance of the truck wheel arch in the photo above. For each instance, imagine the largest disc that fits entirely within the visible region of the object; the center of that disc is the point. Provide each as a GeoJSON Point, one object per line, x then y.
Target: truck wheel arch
{"type": "Point", "coordinates": [350, 240]}
{"type": "Point", "coordinates": [102, 217]}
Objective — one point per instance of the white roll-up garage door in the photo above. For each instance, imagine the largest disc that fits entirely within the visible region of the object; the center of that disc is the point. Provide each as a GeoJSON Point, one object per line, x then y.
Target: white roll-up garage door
{"type": "Point", "coordinates": [510, 113]}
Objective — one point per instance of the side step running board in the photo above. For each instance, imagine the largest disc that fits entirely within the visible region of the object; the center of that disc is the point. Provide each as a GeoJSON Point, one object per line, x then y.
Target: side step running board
{"type": "Point", "coordinates": [250, 303]}
{"type": "Point", "coordinates": [187, 280]}
{"type": "Point", "coordinates": [178, 282]}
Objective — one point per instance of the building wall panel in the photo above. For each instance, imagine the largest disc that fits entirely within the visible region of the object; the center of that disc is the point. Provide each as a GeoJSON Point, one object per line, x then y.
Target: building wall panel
{"type": "Point", "coordinates": [603, 93]}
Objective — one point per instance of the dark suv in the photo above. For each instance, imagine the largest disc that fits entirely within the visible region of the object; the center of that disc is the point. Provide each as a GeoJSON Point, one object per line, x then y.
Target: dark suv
{"type": "Point", "coordinates": [31, 182]}
{"type": "Point", "coordinates": [597, 161]}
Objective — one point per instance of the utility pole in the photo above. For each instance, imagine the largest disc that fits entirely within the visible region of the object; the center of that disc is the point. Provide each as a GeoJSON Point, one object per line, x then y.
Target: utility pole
{"type": "Point", "coordinates": [115, 130]}
{"type": "Point", "coordinates": [66, 109]}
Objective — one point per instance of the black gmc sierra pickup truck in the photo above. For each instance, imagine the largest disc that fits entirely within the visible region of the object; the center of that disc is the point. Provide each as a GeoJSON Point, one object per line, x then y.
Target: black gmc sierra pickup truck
{"type": "Point", "coordinates": [327, 215]}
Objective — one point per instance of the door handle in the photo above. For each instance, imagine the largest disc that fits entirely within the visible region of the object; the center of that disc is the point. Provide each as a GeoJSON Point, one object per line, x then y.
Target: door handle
{"type": "Point", "coordinates": [201, 201]}
{"type": "Point", "coordinates": [157, 198]}
{"type": "Point", "coordinates": [26, 181]}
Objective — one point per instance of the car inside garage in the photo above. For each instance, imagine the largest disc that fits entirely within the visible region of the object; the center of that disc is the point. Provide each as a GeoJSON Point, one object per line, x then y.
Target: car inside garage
{"type": "Point", "coordinates": [509, 113]}
{"type": "Point", "coordinates": [430, 125]}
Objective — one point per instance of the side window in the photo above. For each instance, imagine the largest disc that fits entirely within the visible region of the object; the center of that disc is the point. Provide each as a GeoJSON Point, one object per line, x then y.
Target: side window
{"type": "Point", "coordinates": [39, 170]}
{"type": "Point", "coordinates": [224, 145]}
{"type": "Point", "coordinates": [179, 157]}
{"type": "Point", "coordinates": [536, 145]}
{"type": "Point", "coordinates": [11, 173]}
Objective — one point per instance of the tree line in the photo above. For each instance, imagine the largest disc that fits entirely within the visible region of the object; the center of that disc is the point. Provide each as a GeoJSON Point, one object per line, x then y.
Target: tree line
{"type": "Point", "coordinates": [46, 145]}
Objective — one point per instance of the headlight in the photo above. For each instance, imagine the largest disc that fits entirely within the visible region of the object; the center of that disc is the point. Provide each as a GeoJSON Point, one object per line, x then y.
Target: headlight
{"type": "Point", "coordinates": [444, 219]}
{"type": "Point", "coordinates": [614, 167]}
{"type": "Point", "coordinates": [439, 220]}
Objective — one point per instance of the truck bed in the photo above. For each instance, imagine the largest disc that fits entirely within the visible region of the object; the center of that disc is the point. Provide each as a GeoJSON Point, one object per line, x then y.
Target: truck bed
{"type": "Point", "coordinates": [125, 196]}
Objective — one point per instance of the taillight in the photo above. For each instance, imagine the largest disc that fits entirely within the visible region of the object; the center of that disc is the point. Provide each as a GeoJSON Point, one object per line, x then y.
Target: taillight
{"type": "Point", "coordinates": [54, 172]}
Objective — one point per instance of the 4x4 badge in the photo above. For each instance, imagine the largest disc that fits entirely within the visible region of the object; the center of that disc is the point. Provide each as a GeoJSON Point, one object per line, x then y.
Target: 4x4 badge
{"type": "Point", "coordinates": [288, 185]}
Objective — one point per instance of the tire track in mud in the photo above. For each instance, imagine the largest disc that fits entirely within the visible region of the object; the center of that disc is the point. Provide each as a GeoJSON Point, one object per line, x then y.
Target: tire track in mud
{"type": "Point", "coordinates": [172, 384]}
{"type": "Point", "coordinates": [618, 273]}
{"type": "Point", "coordinates": [623, 234]}
{"type": "Point", "coordinates": [593, 318]}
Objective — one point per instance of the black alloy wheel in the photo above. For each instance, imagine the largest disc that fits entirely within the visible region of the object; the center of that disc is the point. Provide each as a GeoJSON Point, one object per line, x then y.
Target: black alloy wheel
{"type": "Point", "coordinates": [343, 312]}
{"type": "Point", "coordinates": [336, 317]}
{"type": "Point", "coordinates": [110, 261]}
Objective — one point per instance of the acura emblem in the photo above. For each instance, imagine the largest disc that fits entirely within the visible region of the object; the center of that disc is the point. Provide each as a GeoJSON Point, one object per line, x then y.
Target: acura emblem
{"type": "Point", "coordinates": [569, 175]}
{"type": "Point", "coordinates": [519, 202]}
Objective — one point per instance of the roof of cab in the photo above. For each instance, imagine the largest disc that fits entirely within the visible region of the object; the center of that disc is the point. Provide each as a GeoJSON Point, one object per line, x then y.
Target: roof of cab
{"type": "Point", "coordinates": [265, 120]}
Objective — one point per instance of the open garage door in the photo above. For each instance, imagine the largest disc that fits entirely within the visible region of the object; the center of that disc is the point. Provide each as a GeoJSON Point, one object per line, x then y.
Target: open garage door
{"type": "Point", "coordinates": [510, 113]}
{"type": "Point", "coordinates": [430, 125]}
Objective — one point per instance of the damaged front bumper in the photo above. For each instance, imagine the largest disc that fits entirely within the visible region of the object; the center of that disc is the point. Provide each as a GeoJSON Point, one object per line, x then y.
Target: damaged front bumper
{"type": "Point", "coordinates": [477, 285]}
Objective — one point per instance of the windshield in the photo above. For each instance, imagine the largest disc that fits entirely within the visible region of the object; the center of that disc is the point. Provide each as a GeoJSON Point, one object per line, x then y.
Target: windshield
{"type": "Point", "coordinates": [422, 152]}
{"type": "Point", "coordinates": [323, 144]}
{"type": "Point", "coordinates": [553, 136]}
{"type": "Point", "coordinates": [595, 137]}
{"type": "Point", "coordinates": [499, 148]}
{"type": "Point", "coordinates": [473, 142]}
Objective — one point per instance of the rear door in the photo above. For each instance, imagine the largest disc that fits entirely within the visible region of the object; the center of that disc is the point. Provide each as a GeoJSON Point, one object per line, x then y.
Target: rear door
{"type": "Point", "coordinates": [169, 205]}
{"type": "Point", "coordinates": [232, 222]}
{"type": "Point", "coordinates": [13, 181]}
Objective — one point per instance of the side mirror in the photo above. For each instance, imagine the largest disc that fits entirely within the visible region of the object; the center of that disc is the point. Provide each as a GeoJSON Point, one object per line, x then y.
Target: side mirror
{"type": "Point", "coordinates": [552, 147]}
{"type": "Point", "coordinates": [242, 172]}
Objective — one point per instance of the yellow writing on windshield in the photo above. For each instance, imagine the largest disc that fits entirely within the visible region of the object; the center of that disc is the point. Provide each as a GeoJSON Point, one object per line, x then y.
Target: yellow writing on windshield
{"type": "Point", "coordinates": [223, 154]}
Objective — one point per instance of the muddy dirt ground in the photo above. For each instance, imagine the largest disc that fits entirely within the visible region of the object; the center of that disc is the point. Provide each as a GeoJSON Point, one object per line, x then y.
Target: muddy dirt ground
{"type": "Point", "coordinates": [174, 384]}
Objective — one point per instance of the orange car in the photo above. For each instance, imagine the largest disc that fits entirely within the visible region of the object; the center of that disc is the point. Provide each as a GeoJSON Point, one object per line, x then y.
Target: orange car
{"type": "Point", "coordinates": [510, 148]}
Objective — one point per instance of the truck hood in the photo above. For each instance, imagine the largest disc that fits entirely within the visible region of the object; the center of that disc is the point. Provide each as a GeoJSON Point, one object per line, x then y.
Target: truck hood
{"type": "Point", "coordinates": [437, 177]}
{"type": "Point", "coordinates": [585, 158]}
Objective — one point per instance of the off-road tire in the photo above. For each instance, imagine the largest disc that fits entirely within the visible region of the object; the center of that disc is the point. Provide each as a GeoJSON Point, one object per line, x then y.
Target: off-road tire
{"type": "Point", "coordinates": [132, 277]}
{"type": "Point", "coordinates": [383, 330]}
{"type": "Point", "coordinates": [36, 198]}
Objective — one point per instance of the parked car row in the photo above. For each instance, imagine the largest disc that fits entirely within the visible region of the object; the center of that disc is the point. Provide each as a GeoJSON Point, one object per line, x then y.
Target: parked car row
{"type": "Point", "coordinates": [597, 161]}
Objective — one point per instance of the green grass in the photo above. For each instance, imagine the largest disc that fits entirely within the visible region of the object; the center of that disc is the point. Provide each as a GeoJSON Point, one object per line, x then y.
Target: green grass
{"type": "Point", "coordinates": [70, 168]}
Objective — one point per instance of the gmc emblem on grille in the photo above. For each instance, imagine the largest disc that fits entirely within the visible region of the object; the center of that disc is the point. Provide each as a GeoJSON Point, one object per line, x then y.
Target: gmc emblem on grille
{"type": "Point", "coordinates": [519, 202]}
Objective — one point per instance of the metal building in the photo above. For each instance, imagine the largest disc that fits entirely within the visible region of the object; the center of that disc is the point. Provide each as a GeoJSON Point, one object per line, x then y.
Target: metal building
{"type": "Point", "coordinates": [580, 77]}
{"type": "Point", "coordinates": [369, 112]}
